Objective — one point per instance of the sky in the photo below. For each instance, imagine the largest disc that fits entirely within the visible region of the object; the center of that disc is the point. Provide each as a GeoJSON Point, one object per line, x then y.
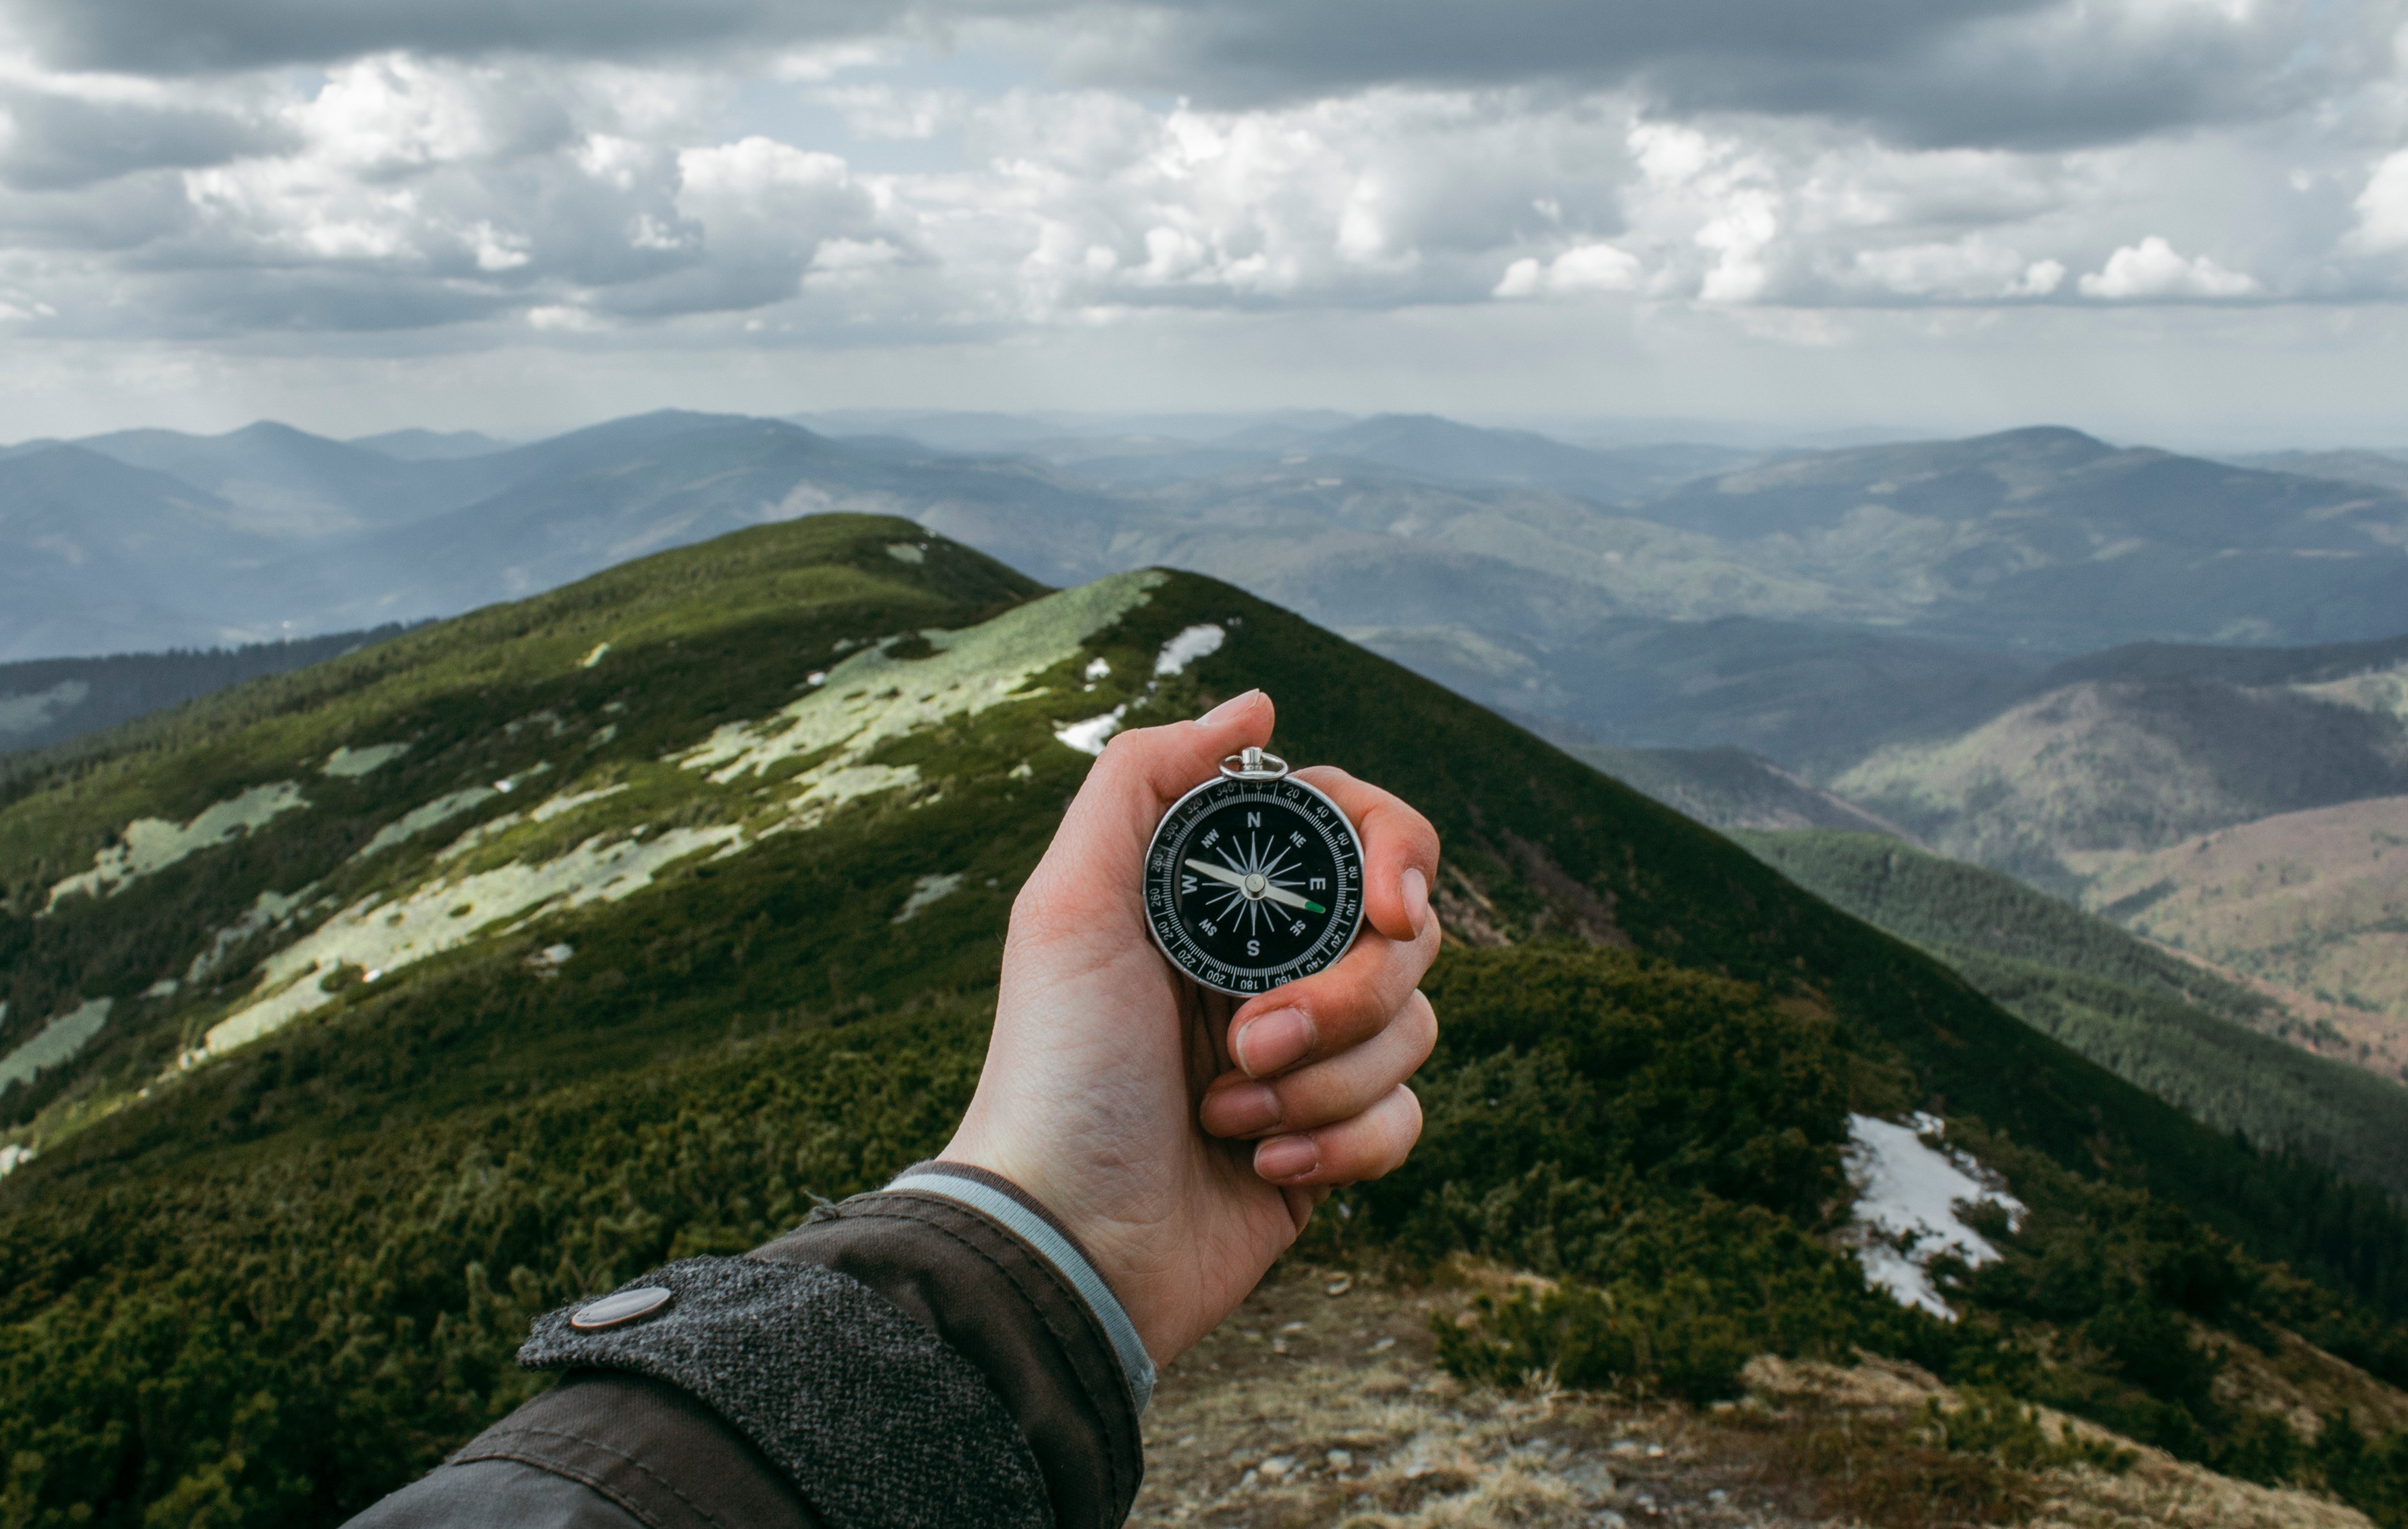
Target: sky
{"type": "Point", "coordinates": [2178, 221]}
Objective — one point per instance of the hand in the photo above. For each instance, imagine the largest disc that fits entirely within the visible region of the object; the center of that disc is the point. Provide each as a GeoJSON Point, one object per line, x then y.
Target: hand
{"type": "Point", "coordinates": [1183, 1138]}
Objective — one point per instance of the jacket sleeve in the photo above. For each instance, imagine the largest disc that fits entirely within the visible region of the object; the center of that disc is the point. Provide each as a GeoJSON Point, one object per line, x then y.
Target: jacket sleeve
{"type": "Point", "coordinates": [939, 1353]}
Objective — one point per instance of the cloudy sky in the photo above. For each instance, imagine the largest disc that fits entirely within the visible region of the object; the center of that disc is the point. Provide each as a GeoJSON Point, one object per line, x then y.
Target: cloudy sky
{"type": "Point", "coordinates": [2173, 219]}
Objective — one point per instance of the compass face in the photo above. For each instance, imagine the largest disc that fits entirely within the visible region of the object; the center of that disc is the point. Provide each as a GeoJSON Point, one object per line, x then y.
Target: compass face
{"type": "Point", "coordinates": [1253, 883]}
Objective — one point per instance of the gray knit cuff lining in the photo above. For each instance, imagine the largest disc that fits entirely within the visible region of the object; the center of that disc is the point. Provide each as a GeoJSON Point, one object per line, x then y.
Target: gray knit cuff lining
{"type": "Point", "coordinates": [882, 1425]}
{"type": "Point", "coordinates": [1020, 1215]}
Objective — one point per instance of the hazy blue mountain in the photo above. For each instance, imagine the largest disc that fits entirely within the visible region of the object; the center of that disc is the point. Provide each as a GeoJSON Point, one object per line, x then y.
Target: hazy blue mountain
{"type": "Point", "coordinates": [1814, 697]}
{"type": "Point", "coordinates": [984, 433]}
{"type": "Point", "coordinates": [1438, 448]}
{"type": "Point", "coordinates": [431, 444]}
{"type": "Point", "coordinates": [601, 496]}
{"type": "Point", "coordinates": [300, 487]}
{"type": "Point", "coordinates": [96, 552]}
{"type": "Point", "coordinates": [2047, 538]}
{"type": "Point", "coordinates": [2309, 665]}
{"type": "Point", "coordinates": [1729, 789]}
{"type": "Point", "coordinates": [2377, 469]}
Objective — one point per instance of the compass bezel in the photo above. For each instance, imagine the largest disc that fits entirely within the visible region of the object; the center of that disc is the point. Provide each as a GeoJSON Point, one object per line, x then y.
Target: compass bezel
{"type": "Point", "coordinates": [1160, 907]}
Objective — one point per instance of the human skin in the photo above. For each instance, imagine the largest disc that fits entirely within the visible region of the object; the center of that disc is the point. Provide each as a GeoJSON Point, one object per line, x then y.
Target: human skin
{"type": "Point", "coordinates": [1185, 1140]}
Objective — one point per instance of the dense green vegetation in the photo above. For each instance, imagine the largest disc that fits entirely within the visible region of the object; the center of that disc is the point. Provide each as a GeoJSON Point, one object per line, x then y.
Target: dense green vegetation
{"type": "Point", "coordinates": [1668, 1147]}
{"type": "Point", "coordinates": [2149, 1016]}
{"type": "Point", "coordinates": [264, 1289]}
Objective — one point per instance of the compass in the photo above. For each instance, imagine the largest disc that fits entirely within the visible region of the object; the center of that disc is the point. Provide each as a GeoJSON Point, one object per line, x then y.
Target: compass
{"type": "Point", "coordinates": [1253, 879]}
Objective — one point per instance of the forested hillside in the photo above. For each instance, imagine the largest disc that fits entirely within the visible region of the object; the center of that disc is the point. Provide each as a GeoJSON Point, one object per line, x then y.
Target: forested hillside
{"type": "Point", "coordinates": [2207, 1044]}
{"type": "Point", "coordinates": [47, 701]}
{"type": "Point", "coordinates": [453, 978]}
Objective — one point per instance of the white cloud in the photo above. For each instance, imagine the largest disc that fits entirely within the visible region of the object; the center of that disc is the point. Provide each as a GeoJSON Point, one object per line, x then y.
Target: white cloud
{"type": "Point", "coordinates": [2154, 269]}
{"type": "Point", "coordinates": [2383, 205]}
{"type": "Point", "coordinates": [1582, 268]}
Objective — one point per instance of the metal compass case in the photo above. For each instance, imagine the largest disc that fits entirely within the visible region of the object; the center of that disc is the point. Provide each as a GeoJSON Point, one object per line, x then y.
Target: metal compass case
{"type": "Point", "coordinates": [1253, 879]}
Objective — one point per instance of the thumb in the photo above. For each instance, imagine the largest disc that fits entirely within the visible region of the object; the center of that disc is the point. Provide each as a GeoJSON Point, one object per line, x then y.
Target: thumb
{"type": "Point", "coordinates": [1144, 771]}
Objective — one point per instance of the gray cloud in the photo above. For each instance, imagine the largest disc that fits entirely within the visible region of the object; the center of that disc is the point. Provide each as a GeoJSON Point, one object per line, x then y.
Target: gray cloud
{"type": "Point", "coordinates": [174, 37]}
{"type": "Point", "coordinates": [56, 142]}
{"type": "Point", "coordinates": [2023, 73]}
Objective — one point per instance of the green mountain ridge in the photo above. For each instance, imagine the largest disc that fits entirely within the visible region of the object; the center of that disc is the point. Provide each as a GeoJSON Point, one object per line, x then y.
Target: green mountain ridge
{"type": "Point", "coordinates": [457, 976]}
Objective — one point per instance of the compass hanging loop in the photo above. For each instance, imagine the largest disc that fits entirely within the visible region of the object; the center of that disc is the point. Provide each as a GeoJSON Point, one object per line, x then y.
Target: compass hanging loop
{"type": "Point", "coordinates": [1253, 765]}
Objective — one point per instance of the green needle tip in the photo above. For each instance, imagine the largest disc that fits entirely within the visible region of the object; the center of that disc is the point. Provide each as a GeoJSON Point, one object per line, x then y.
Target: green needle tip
{"type": "Point", "coordinates": [1311, 907]}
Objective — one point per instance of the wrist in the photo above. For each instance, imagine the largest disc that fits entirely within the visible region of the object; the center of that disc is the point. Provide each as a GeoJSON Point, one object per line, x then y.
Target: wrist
{"type": "Point", "coordinates": [1003, 1200]}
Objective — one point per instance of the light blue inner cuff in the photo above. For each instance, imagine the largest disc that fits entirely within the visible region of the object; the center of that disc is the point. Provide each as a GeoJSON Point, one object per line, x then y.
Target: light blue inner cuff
{"type": "Point", "coordinates": [1033, 1229]}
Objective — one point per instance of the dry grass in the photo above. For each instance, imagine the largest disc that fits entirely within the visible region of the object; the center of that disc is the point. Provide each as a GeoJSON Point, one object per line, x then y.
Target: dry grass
{"type": "Point", "coordinates": [1309, 1411]}
{"type": "Point", "coordinates": [2315, 900]}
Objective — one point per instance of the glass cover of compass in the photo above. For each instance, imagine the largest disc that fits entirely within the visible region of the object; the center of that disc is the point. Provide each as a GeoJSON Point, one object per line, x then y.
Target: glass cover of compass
{"type": "Point", "coordinates": [1253, 879]}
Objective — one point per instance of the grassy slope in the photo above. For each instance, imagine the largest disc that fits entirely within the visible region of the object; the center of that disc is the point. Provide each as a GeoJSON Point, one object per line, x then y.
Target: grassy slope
{"type": "Point", "coordinates": [2056, 786]}
{"type": "Point", "coordinates": [2149, 1016]}
{"type": "Point", "coordinates": [2315, 900]}
{"type": "Point", "coordinates": [760, 1026]}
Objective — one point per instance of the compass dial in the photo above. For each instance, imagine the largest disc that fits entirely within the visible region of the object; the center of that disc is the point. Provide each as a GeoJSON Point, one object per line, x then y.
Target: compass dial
{"type": "Point", "coordinates": [1253, 883]}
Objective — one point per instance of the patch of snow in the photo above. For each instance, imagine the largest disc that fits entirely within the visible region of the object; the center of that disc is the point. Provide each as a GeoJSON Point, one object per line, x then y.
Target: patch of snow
{"type": "Point", "coordinates": [153, 844]}
{"type": "Point", "coordinates": [418, 820]}
{"type": "Point", "coordinates": [1090, 736]}
{"type": "Point", "coordinates": [817, 676]}
{"type": "Point", "coordinates": [13, 1156]}
{"type": "Point", "coordinates": [903, 552]}
{"type": "Point", "coordinates": [1022, 771]}
{"type": "Point", "coordinates": [555, 955]}
{"type": "Point", "coordinates": [1906, 1214]}
{"type": "Point", "coordinates": [872, 698]}
{"type": "Point", "coordinates": [32, 712]}
{"type": "Point", "coordinates": [347, 763]}
{"type": "Point", "coordinates": [610, 730]}
{"type": "Point", "coordinates": [1099, 669]}
{"type": "Point", "coordinates": [58, 1040]}
{"type": "Point", "coordinates": [266, 911]}
{"type": "Point", "coordinates": [594, 657]}
{"type": "Point", "coordinates": [927, 889]}
{"type": "Point", "coordinates": [1185, 649]}
{"type": "Point", "coordinates": [829, 786]}
{"type": "Point", "coordinates": [385, 937]}
{"type": "Point", "coordinates": [166, 987]}
{"type": "Point", "coordinates": [563, 804]}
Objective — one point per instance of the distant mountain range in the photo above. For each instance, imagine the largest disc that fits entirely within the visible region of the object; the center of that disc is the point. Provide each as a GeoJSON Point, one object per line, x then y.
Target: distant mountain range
{"type": "Point", "coordinates": [1525, 558]}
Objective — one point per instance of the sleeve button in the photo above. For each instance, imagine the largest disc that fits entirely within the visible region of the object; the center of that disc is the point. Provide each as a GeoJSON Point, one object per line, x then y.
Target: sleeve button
{"type": "Point", "coordinates": [622, 1309]}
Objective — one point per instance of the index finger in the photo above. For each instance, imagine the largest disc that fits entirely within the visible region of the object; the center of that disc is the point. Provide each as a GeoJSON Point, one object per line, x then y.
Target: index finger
{"type": "Point", "coordinates": [1396, 839]}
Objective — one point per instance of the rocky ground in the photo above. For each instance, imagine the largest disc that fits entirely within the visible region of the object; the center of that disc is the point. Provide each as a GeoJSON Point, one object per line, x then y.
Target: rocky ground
{"type": "Point", "coordinates": [1318, 1404]}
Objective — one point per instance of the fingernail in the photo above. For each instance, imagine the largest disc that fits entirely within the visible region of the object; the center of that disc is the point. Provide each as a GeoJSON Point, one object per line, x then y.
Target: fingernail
{"type": "Point", "coordinates": [1284, 1158]}
{"type": "Point", "coordinates": [1271, 1041]}
{"type": "Point", "coordinates": [1416, 887]}
{"type": "Point", "coordinates": [1228, 708]}
{"type": "Point", "coordinates": [1241, 1110]}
